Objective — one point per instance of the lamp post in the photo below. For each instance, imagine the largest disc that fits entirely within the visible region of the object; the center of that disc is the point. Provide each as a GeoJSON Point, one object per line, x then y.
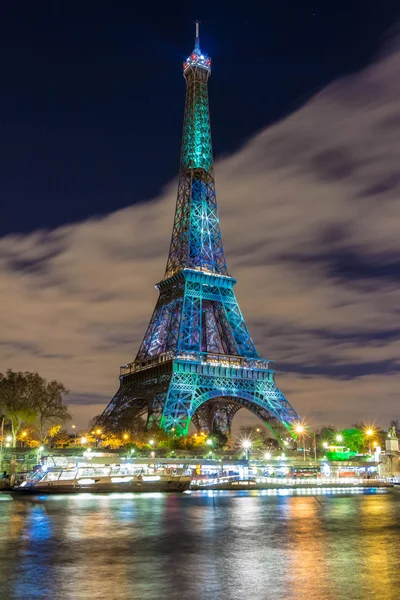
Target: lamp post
{"type": "Point", "coordinates": [246, 445]}
{"type": "Point", "coordinates": [369, 433]}
{"type": "Point", "coordinates": [300, 430]}
{"type": "Point", "coordinates": [1, 446]}
{"type": "Point", "coordinates": [98, 434]}
{"type": "Point", "coordinates": [74, 428]}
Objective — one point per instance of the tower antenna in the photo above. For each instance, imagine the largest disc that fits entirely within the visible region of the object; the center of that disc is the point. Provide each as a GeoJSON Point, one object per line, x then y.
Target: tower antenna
{"type": "Point", "coordinates": [197, 43]}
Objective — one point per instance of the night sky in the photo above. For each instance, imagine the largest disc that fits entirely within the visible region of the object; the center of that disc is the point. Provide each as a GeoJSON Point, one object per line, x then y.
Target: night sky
{"type": "Point", "coordinates": [92, 97]}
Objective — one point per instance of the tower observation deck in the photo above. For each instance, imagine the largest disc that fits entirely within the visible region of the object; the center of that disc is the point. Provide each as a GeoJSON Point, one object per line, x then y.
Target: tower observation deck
{"type": "Point", "coordinates": [197, 361]}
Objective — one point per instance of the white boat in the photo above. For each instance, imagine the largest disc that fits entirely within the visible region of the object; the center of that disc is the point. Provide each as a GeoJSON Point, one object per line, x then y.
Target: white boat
{"type": "Point", "coordinates": [119, 476]}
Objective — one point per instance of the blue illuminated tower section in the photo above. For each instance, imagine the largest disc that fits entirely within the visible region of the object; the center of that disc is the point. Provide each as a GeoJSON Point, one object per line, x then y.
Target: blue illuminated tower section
{"type": "Point", "coordinates": [197, 361]}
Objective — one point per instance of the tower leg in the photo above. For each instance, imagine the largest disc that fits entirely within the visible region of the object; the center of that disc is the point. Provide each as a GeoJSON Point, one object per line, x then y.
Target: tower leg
{"type": "Point", "coordinates": [223, 414]}
{"type": "Point", "coordinates": [177, 411]}
{"type": "Point", "coordinates": [155, 411]}
{"type": "Point", "coordinates": [203, 419]}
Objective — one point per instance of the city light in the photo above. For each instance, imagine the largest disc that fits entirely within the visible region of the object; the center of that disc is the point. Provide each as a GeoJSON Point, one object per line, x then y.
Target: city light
{"type": "Point", "coordinates": [98, 431]}
{"type": "Point", "coordinates": [267, 456]}
{"type": "Point", "coordinates": [325, 445]}
{"type": "Point", "coordinates": [83, 440]}
{"type": "Point", "coordinates": [24, 434]}
{"type": "Point", "coordinates": [339, 438]}
{"type": "Point", "coordinates": [369, 432]}
{"type": "Point", "coordinates": [125, 436]}
{"type": "Point", "coordinates": [246, 444]}
{"type": "Point", "coordinates": [299, 428]}
{"type": "Point", "coordinates": [151, 442]}
{"type": "Point", "coordinates": [9, 438]}
{"type": "Point", "coordinates": [209, 442]}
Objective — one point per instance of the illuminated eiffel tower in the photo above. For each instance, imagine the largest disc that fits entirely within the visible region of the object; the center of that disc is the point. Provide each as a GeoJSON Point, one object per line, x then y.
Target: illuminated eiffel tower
{"type": "Point", "coordinates": [197, 361]}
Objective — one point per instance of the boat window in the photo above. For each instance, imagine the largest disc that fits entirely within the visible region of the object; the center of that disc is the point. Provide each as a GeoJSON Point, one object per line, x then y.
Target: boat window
{"type": "Point", "coordinates": [68, 475]}
{"type": "Point", "coordinates": [52, 476]}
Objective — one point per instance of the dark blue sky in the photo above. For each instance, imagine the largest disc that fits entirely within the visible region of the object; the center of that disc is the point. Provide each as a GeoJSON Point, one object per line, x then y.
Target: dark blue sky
{"type": "Point", "coordinates": [92, 93]}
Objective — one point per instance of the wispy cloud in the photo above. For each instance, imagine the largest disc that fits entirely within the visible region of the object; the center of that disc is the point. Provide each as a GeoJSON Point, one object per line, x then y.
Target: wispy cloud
{"type": "Point", "coordinates": [310, 217]}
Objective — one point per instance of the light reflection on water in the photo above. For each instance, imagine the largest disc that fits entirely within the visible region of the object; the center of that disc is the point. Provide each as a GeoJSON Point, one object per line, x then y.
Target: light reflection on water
{"type": "Point", "coordinates": [200, 546]}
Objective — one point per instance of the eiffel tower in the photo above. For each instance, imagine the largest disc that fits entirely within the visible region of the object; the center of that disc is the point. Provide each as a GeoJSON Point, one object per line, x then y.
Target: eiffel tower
{"type": "Point", "coordinates": [197, 362]}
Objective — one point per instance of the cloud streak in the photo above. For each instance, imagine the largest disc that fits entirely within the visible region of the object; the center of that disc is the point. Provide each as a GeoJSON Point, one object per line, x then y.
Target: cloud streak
{"type": "Point", "coordinates": [310, 218]}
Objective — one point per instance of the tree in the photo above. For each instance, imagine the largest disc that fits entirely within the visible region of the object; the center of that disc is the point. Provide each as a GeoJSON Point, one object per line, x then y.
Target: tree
{"type": "Point", "coordinates": [354, 439]}
{"type": "Point", "coordinates": [49, 405]}
{"type": "Point", "coordinates": [18, 392]}
{"type": "Point", "coordinates": [51, 433]}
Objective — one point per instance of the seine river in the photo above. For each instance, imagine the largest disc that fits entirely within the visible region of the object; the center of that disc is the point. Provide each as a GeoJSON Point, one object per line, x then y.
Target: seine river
{"type": "Point", "coordinates": [200, 546]}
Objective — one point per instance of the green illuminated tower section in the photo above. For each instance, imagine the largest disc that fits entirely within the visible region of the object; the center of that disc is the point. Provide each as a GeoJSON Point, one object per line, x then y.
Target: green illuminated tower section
{"type": "Point", "coordinates": [196, 237]}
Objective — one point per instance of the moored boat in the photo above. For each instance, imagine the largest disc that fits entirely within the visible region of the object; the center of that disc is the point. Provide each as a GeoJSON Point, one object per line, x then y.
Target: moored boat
{"type": "Point", "coordinates": [119, 476]}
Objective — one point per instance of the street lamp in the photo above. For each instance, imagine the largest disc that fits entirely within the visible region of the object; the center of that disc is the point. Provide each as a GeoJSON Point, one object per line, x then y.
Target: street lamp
{"type": "Point", "coordinates": [246, 444]}
{"type": "Point", "coordinates": [209, 442]}
{"type": "Point", "coordinates": [151, 442]}
{"type": "Point", "coordinates": [83, 440]}
{"type": "Point", "coordinates": [74, 428]}
{"type": "Point", "coordinates": [339, 438]}
{"type": "Point", "coordinates": [267, 456]}
{"type": "Point", "coordinates": [369, 433]}
{"type": "Point", "coordinates": [300, 430]}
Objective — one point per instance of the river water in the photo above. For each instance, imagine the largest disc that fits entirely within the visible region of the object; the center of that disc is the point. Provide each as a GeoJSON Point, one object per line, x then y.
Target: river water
{"type": "Point", "coordinates": [200, 546]}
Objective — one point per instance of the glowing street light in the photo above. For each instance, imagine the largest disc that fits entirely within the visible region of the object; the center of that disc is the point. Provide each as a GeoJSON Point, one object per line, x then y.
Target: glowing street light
{"type": "Point", "coordinates": [151, 442]}
{"type": "Point", "coordinates": [246, 444]}
{"type": "Point", "coordinates": [125, 436]}
{"type": "Point", "coordinates": [83, 440]}
{"type": "Point", "coordinates": [300, 429]}
{"type": "Point", "coordinates": [325, 445]}
{"type": "Point", "coordinates": [267, 456]}
{"type": "Point", "coordinates": [339, 438]}
{"type": "Point", "coordinates": [9, 438]}
{"type": "Point", "coordinates": [209, 442]}
{"type": "Point", "coordinates": [369, 433]}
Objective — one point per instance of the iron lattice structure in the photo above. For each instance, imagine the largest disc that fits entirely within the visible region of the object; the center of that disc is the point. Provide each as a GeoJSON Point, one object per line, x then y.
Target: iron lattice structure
{"type": "Point", "coordinates": [197, 361]}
